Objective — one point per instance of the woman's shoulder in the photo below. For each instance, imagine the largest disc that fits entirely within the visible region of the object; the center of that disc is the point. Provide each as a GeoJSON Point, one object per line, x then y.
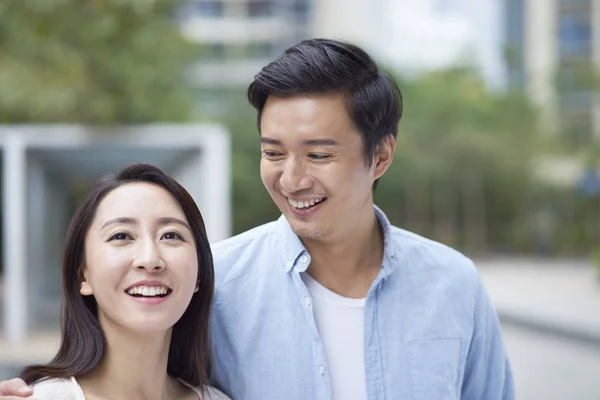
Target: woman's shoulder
{"type": "Point", "coordinates": [207, 392]}
{"type": "Point", "coordinates": [56, 389]}
{"type": "Point", "coordinates": [212, 393]}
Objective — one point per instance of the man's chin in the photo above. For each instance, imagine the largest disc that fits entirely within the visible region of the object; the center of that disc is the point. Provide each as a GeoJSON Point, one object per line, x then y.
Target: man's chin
{"type": "Point", "coordinates": [307, 231]}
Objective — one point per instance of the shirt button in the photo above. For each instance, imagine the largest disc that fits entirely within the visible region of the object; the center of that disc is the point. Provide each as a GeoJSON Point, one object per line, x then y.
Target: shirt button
{"type": "Point", "coordinates": [321, 369]}
{"type": "Point", "coordinates": [307, 301]}
{"type": "Point", "coordinates": [303, 259]}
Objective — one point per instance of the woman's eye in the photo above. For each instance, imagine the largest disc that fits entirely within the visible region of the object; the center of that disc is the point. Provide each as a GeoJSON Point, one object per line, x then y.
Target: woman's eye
{"type": "Point", "coordinates": [172, 236]}
{"type": "Point", "coordinates": [120, 236]}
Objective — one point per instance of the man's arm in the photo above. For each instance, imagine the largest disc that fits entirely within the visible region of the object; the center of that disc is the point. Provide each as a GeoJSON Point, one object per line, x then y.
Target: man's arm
{"type": "Point", "coordinates": [14, 389]}
{"type": "Point", "coordinates": [488, 372]}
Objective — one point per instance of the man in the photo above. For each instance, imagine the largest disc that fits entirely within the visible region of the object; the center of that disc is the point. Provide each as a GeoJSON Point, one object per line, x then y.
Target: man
{"type": "Point", "coordinates": [331, 301]}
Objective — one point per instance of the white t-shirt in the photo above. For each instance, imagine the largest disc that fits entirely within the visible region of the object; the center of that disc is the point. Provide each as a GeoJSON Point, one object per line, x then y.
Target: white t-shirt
{"type": "Point", "coordinates": [69, 389]}
{"type": "Point", "coordinates": [340, 321]}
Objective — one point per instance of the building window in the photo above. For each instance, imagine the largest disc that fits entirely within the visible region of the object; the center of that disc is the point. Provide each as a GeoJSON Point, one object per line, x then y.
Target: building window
{"type": "Point", "coordinates": [301, 10]}
{"type": "Point", "coordinates": [206, 8]}
{"type": "Point", "coordinates": [260, 8]}
{"type": "Point", "coordinates": [574, 35]}
{"type": "Point", "coordinates": [514, 51]}
{"type": "Point", "coordinates": [573, 3]}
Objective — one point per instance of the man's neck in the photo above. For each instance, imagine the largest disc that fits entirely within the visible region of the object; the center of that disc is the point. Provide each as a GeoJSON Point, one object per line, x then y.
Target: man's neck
{"type": "Point", "coordinates": [348, 264]}
{"type": "Point", "coordinates": [134, 367]}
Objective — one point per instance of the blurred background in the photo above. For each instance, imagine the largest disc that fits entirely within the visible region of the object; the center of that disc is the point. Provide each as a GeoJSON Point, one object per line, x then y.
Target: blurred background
{"type": "Point", "coordinates": [498, 149]}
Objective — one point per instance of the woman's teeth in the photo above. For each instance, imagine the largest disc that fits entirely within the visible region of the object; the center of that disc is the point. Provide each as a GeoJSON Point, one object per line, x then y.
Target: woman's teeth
{"type": "Point", "coordinates": [148, 291]}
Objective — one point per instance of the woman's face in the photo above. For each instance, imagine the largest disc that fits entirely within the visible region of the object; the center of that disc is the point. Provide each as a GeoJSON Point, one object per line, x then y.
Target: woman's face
{"type": "Point", "coordinates": [141, 263]}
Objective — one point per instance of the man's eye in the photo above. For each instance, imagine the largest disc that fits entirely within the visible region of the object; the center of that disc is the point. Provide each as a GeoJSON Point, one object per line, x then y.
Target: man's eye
{"type": "Point", "coordinates": [319, 156]}
{"type": "Point", "coordinates": [271, 154]}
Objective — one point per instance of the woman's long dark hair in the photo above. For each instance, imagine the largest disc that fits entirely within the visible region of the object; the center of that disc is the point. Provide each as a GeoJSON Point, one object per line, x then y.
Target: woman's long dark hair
{"type": "Point", "coordinates": [83, 344]}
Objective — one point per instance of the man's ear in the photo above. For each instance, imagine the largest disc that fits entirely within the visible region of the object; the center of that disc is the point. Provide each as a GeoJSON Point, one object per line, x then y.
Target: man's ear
{"type": "Point", "coordinates": [384, 155]}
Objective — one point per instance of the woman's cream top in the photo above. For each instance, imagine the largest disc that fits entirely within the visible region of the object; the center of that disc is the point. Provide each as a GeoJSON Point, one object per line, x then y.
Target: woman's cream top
{"type": "Point", "coordinates": [69, 389]}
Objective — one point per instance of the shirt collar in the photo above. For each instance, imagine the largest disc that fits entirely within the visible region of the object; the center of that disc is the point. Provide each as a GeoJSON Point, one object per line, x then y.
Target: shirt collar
{"type": "Point", "coordinates": [291, 248]}
{"type": "Point", "coordinates": [390, 255]}
{"type": "Point", "coordinates": [290, 245]}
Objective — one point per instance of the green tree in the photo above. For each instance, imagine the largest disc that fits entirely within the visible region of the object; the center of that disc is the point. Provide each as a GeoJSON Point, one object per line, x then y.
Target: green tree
{"type": "Point", "coordinates": [252, 204]}
{"type": "Point", "coordinates": [93, 62]}
{"type": "Point", "coordinates": [463, 163]}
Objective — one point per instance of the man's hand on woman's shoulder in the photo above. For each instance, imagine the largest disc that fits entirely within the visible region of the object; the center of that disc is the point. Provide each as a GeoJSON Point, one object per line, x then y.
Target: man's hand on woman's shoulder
{"type": "Point", "coordinates": [14, 389]}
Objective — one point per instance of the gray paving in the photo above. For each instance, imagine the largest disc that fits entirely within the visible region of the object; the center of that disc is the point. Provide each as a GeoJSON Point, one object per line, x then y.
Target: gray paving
{"type": "Point", "coordinates": [550, 312]}
{"type": "Point", "coordinates": [552, 368]}
{"type": "Point", "coordinates": [560, 297]}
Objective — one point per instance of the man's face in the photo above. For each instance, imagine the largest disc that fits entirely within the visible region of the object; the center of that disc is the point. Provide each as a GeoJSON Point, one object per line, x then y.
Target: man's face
{"type": "Point", "coordinates": [313, 164]}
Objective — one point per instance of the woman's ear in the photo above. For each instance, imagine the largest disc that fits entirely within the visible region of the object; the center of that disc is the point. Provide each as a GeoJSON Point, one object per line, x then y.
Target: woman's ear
{"type": "Point", "coordinates": [85, 288]}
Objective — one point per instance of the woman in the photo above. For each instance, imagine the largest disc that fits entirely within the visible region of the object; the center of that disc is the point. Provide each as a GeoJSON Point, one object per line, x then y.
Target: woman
{"type": "Point", "coordinates": [138, 287]}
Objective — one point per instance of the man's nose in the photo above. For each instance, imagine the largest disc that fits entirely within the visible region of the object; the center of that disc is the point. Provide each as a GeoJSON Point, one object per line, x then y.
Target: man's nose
{"type": "Point", "coordinates": [294, 177]}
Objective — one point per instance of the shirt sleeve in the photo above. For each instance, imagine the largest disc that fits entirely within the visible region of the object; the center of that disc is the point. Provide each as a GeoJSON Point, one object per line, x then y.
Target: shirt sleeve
{"type": "Point", "coordinates": [488, 373]}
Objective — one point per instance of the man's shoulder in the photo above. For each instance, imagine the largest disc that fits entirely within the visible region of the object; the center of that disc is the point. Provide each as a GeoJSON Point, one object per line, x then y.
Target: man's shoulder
{"type": "Point", "coordinates": [421, 254]}
{"type": "Point", "coordinates": [239, 255]}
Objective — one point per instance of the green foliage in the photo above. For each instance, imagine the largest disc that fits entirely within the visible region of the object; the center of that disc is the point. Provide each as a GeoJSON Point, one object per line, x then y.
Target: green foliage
{"type": "Point", "coordinates": [92, 61]}
{"type": "Point", "coordinates": [252, 204]}
{"type": "Point", "coordinates": [463, 155]}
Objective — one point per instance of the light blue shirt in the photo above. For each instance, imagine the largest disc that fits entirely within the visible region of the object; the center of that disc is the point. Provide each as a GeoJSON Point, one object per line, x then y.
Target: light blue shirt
{"type": "Point", "coordinates": [431, 332]}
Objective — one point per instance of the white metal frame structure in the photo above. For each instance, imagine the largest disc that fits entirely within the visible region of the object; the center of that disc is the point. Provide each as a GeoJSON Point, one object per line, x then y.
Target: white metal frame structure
{"type": "Point", "coordinates": [41, 164]}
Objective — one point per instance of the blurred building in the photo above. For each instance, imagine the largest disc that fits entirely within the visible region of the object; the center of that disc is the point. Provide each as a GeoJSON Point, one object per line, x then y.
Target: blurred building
{"type": "Point", "coordinates": [552, 47]}
{"type": "Point", "coordinates": [413, 36]}
{"type": "Point", "coordinates": [237, 38]}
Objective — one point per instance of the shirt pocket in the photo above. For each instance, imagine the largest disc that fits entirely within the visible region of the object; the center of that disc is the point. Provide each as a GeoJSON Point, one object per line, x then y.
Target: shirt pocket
{"type": "Point", "coordinates": [434, 366]}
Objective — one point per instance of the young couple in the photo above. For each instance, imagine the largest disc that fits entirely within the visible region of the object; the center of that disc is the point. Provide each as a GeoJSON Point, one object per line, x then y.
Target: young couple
{"type": "Point", "coordinates": [329, 302]}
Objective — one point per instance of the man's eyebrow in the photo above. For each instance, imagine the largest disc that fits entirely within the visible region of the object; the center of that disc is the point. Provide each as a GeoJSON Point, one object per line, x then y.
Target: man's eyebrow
{"type": "Point", "coordinates": [320, 142]}
{"type": "Point", "coordinates": [268, 140]}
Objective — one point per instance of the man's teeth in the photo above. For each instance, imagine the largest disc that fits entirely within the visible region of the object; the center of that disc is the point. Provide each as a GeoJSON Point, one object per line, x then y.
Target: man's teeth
{"type": "Point", "coordinates": [148, 291]}
{"type": "Point", "coordinates": [305, 203]}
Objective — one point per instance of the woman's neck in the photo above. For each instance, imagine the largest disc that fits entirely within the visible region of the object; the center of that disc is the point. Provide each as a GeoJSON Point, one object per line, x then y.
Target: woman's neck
{"type": "Point", "coordinates": [134, 367]}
